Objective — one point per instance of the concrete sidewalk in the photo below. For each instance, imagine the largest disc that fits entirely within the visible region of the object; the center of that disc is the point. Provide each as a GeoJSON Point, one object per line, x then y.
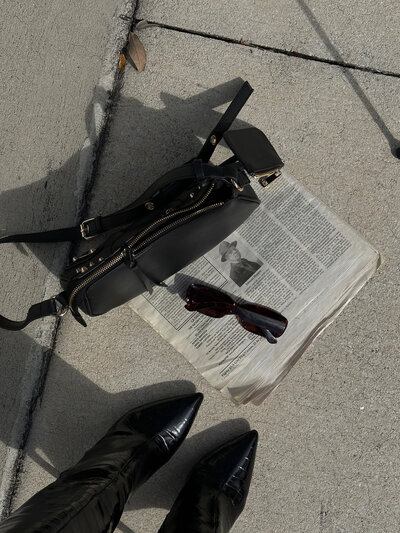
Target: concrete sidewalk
{"type": "Point", "coordinates": [328, 458]}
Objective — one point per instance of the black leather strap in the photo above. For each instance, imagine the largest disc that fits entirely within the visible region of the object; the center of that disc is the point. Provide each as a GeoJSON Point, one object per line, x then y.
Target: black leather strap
{"type": "Point", "coordinates": [94, 226]}
{"type": "Point", "coordinates": [97, 225]}
{"type": "Point", "coordinates": [87, 229]}
{"type": "Point", "coordinates": [52, 307]}
{"type": "Point", "coordinates": [57, 235]}
{"type": "Point", "coordinates": [225, 122]}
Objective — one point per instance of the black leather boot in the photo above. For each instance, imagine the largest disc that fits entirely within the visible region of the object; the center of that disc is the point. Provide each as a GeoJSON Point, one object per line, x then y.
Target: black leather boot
{"type": "Point", "coordinates": [216, 490]}
{"type": "Point", "coordinates": [90, 497]}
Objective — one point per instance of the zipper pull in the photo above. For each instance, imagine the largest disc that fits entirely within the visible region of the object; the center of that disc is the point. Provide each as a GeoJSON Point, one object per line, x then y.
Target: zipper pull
{"type": "Point", "coordinates": [129, 256]}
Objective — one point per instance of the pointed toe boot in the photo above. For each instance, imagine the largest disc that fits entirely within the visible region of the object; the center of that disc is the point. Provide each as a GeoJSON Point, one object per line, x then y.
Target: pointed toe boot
{"type": "Point", "coordinates": [90, 497]}
{"type": "Point", "coordinates": [216, 490]}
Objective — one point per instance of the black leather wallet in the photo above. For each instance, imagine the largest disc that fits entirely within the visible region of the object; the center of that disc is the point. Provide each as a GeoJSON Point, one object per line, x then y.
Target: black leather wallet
{"type": "Point", "coordinates": [256, 153]}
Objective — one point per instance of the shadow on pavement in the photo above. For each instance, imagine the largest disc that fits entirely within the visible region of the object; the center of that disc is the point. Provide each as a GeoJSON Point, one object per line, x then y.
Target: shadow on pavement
{"type": "Point", "coordinates": [394, 144]}
{"type": "Point", "coordinates": [15, 347]}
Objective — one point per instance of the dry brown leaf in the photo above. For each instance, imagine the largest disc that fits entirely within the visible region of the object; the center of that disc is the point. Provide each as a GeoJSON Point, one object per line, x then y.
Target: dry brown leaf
{"type": "Point", "coordinates": [136, 52]}
{"type": "Point", "coordinates": [143, 24]}
{"type": "Point", "coordinates": [122, 62]}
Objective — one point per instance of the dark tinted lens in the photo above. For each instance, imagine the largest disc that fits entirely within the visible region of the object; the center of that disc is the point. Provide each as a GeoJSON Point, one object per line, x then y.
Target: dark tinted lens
{"type": "Point", "coordinates": [262, 317]}
{"type": "Point", "coordinates": [201, 293]}
{"type": "Point", "coordinates": [208, 301]}
{"type": "Point", "coordinates": [214, 310]}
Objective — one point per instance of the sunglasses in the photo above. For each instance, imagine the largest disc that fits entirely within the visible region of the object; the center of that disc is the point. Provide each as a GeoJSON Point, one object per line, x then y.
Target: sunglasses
{"type": "Point", "coordinates": [255, 318]}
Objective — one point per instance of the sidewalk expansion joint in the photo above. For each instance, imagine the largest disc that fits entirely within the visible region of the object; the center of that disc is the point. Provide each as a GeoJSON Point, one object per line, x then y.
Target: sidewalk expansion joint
{"type": "Point", "coordinates": [290, 53]}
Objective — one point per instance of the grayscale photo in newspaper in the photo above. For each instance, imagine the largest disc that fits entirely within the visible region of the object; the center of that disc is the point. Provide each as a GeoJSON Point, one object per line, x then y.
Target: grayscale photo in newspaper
{"type": "Point", "coordinates": [292, 254]}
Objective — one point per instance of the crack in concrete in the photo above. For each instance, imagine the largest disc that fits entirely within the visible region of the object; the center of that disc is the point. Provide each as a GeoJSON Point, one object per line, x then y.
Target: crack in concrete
{"type": "Point", "coordinates": [105, 95]}
{"type": "Point", "coordinates": [19, 453]}
{"type": "Point", "coordinates": [282, 51]}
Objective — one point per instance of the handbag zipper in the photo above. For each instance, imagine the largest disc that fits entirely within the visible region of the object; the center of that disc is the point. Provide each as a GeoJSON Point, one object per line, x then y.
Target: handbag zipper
{"type": "Point", "coordinates": [172, 215]}
{"type": "Point", "coordinates": [166, 228]}
{"type": "Point", "coordinates": [122, 255]}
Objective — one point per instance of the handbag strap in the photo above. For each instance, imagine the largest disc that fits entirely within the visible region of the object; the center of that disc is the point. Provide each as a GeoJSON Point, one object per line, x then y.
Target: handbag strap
{"type": "Point", "coordinates": [91, 227]}
{"type": "Point", "coordinates": [225, 121]}
{"type": "Point", "coordinates": [55, 306]}
{"type": "Point", "coordinates": [87, 229]}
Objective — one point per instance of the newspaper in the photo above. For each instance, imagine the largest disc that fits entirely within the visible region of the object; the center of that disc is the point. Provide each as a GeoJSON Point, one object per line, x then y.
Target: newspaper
{"type": "Point", "coordinates": [297, 257]}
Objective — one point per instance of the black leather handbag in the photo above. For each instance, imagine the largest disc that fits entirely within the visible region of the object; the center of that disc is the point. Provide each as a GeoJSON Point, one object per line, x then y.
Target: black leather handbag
{"type": "Point", "coordinates": [184, 214]}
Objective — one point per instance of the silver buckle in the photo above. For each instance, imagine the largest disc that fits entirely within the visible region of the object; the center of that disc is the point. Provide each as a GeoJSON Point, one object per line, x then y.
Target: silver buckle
{"type": "Point", "coordinates": [85, 228]}
{"type": "Point", "coordinates": [61, 310]}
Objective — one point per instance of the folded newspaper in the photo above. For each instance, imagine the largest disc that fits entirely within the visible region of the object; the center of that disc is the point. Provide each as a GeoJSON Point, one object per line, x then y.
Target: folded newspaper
{"type": "Point", "coordinates": [295, 256]}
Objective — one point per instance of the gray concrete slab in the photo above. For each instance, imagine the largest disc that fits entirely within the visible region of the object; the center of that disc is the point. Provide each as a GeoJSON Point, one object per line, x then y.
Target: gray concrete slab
{"type": "Point", "coordinates": [328, 457]}
{"type": "Point", "coordinates": [51, 58]}
{"type": "Point", "coordinates": [363, 32]}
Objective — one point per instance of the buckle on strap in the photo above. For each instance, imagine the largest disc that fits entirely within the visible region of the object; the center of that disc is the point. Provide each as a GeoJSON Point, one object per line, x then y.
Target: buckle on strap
{"type": "Point", "coordinates": [61, 307]}
{"type": "Point", "coordinates": [84, 227]}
